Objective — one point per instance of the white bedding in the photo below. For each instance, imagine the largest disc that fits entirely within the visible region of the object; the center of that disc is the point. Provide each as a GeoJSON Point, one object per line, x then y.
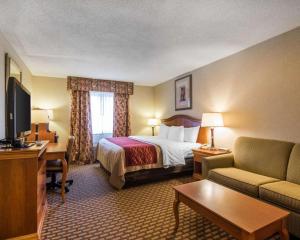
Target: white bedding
{"type": "Point", "coordinates": [173, 152]}
{"type": "Point", "coordinates": [169, 153]}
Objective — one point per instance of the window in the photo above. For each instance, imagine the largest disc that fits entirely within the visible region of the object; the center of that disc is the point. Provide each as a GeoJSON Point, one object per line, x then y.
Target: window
{"type": "Point", "coordinates": [102, 107]}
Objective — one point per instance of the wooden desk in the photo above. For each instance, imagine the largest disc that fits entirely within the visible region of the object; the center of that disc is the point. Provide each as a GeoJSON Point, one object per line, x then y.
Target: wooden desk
{"type": "Point", "coordinates": [23, 201]}
{"type": "Point", "coordinates": [56, 151]}
{"type": "Point", "coordinates": [241, 216]}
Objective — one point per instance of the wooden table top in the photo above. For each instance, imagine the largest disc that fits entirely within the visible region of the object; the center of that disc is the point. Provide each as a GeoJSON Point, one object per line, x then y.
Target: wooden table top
{"type": "Point", "coordinates": [33, 148]}
{"type": "Point", "coordinates": [18, 153]}
{"type": "Point", "coordinates": [241, 210]}
{"type": "Point", "coordinates": [56, 147]}
{"type": "Point", "coordinates": [212, 152]}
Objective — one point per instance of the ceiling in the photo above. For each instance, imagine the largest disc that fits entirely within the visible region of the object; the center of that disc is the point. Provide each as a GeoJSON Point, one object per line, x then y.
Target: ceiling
{"type": "Point", "coordinates": [144, 41]}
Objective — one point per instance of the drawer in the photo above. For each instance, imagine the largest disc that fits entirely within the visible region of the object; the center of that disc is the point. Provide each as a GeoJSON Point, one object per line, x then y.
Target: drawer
{"type": "Point", "coordinates": [41, 199]}
{"type": "Point", "coordinates": [41, 182]}
{"type": "Point", "coordinates": [42, 165]}
{"type": "Point", "coordinates": [198, 157]}
{"type": "Point", "coordinates": [41, 191]}
{"type": "Point", "coordinates": [41, 208]}
{"type": "Point", "coordinates": [41, 175]}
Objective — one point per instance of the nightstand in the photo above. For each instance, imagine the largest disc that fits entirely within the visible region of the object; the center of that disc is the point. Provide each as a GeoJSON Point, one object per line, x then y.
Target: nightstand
{"type": "Point", "coordinates": [199, 153]}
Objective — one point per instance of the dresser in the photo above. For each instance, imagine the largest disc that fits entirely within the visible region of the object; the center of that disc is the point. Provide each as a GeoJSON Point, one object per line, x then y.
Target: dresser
{"type": "Point", "coordinates": [23, 201]}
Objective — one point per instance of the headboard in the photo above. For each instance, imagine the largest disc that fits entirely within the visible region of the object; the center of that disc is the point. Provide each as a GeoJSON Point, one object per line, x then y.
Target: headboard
{"type": "Point", "coordinates": [187, 121]}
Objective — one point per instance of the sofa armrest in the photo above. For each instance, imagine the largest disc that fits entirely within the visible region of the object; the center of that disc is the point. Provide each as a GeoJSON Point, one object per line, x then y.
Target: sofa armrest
{"type": "Point", "coordinates": [221, 161]}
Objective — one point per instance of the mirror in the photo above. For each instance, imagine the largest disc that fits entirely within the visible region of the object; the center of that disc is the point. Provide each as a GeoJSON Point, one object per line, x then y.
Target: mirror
{"type": "Point", "coordinates": [12, 70]}
{"type": "Point", "coordinates": [15, 71]}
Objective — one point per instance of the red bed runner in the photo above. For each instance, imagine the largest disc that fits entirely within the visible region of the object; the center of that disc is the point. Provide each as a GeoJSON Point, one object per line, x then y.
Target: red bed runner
{"type": "Point", "coordinates": [136, 152]}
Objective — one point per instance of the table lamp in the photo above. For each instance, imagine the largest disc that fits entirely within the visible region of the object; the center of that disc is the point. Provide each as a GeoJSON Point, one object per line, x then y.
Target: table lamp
{"type": "Point", "coordinates": [40, 115]}
{"type": "Point", "coordinates": [153, 122]}
{"type": "Point", "coordinates": [212, 120]}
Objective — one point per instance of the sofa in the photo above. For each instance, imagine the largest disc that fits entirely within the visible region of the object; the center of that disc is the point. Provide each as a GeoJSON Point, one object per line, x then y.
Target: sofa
{"type": "Point", "coordinates": [264, 169]}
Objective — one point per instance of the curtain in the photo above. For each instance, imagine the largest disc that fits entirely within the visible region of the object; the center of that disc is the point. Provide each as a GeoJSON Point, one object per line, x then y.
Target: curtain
{"type": "Point", "coordinates": [81, 127]}
{"type": "Point", "coordinates": [99, 85]}
{"type": "Point", "coordinates": [121, 115]}
{"type": "Point", "coordinates": [81, 114]}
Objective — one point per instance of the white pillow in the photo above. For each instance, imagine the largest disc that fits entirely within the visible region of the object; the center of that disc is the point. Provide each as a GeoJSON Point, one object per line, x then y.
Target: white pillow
{"type": "Point", "coordinates": [191, 134]}
{"type": "Point", "coordinates": [163, 131]}
{"type": "Point", "coordinates": [176, 133]}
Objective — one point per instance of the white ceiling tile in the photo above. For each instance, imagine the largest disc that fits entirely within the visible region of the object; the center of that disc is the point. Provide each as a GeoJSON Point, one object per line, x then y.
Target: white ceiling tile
{"type": "Point", "coordinates": [143, 41]}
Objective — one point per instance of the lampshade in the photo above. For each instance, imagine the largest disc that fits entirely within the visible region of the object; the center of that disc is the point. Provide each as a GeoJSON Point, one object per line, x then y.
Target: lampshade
{"type": "Point", "coordinates": [212, 120]}
{"type": "Point", "coordinates": [39, 116]}
{"type": "Point", "coordinates": [153, 121]}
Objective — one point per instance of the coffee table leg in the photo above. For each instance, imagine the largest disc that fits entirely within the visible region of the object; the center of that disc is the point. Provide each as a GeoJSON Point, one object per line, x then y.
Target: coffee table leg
{"type": "Point", "coordinates": [284, 234]}
{"type": "Point", "coordinates": [176, 210]}
{"type": "Point", "coordinates": [247, 236]}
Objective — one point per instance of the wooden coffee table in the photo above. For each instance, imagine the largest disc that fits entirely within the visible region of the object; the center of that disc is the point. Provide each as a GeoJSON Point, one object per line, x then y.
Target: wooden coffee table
{"type": "Point", "coordinates": [241, 216]}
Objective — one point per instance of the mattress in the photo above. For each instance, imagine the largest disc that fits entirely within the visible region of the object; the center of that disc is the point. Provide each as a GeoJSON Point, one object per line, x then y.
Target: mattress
{"type": "Point", "coordinates": [169, 154]}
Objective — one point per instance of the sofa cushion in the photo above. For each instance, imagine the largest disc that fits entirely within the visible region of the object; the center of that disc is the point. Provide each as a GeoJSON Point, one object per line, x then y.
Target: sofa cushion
{"type": "Point", "coordinates": [243, 181]}
{"type": "Point", "coordinates": [293, 171]}
{"type": "Point", "coordinates": [283, 193]}
{"type": "Point", "coordinates": [257, 155]}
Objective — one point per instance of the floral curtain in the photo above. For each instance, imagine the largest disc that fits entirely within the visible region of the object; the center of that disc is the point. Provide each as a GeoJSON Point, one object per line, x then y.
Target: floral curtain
{"type": "Point", "coordinates": [121, 115]}
{"type": "Point", "coordinates": [81, 127]}
{"type": "Point", "coordinates": [81, 113]}
{"type": "Point", "coordinates": [88, 84]}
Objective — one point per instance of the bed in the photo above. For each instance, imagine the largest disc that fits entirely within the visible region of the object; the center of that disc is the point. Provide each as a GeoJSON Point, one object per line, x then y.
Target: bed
{"type": "Point", "coordinates": [155, 157]}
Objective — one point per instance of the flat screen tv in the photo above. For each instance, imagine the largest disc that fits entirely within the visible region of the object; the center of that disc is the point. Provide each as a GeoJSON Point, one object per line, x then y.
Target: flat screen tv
{"type": "Point", "coordinates": [18, 103]}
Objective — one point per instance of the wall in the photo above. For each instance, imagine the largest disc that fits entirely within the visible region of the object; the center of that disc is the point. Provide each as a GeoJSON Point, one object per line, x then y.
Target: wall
{"type": "Point", "coordinates": [257, 88]}
{"type": "Point", "coordinates": [52, 93]}
{"type": "Point", "coordinates": [5, 47]}
{"type": "Point", "coordinates": [141, 108]}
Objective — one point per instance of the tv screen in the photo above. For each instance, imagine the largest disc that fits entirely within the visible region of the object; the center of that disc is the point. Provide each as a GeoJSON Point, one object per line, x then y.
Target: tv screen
{"type": "Point", "coordinates": [23, 110]}
{"type": "Point", "coordinates": [18, 110]}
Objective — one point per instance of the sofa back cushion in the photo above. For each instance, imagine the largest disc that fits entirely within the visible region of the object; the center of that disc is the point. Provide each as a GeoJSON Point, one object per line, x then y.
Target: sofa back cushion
{"type": "Point", "coordinates": [262, 156]}
{"type": "Point", "coordinates": [293, 171]}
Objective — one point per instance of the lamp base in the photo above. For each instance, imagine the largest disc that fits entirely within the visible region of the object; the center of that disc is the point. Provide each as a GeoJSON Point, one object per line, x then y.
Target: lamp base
{"type": "Point", "coordinates": [212, 146]}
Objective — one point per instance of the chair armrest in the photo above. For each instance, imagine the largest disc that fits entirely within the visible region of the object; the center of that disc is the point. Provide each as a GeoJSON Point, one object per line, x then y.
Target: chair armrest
{"type": "Point", "coordinates": [221, 161]}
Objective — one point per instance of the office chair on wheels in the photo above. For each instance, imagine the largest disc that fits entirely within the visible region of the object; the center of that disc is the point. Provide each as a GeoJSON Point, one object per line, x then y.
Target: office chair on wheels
{"type": "Point", "coordinates": [55, 166]}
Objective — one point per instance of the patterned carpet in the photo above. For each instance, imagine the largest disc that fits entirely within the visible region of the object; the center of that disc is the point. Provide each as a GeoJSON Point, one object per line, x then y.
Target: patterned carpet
{"type": "Point", "coordinates": [94, 210]}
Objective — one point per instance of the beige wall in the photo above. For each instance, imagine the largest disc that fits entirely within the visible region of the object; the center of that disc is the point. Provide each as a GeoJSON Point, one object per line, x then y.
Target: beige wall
{"type": "Point", "coordinates": [258, 88]}
{"type": "Point", "coordinates": [141, 108]}
{"type": "Point", "coordinates": [52, 93]}
{"type": "Point", "coordinates": [5, 47]}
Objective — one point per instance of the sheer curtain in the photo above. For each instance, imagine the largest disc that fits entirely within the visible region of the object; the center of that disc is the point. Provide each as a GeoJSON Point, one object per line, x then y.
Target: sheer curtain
{"type": "Point", "coordinates": [102, 111]}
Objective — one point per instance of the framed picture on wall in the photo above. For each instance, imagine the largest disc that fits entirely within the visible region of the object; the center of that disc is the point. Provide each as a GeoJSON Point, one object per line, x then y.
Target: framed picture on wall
{"type": "Point", "coordinates": [11, 70]}
{"type": "Point", "coordinates": [183, 93]}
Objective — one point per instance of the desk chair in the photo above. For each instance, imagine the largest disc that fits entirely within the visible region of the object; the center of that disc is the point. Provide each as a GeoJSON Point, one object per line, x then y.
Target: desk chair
{"type": "Point", "coordinates": [55, 166]}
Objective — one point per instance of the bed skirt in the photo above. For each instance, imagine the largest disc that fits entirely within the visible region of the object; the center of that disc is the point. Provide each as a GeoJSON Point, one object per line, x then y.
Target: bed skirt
{"type": "Point", "coordinates": [156, 174]}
